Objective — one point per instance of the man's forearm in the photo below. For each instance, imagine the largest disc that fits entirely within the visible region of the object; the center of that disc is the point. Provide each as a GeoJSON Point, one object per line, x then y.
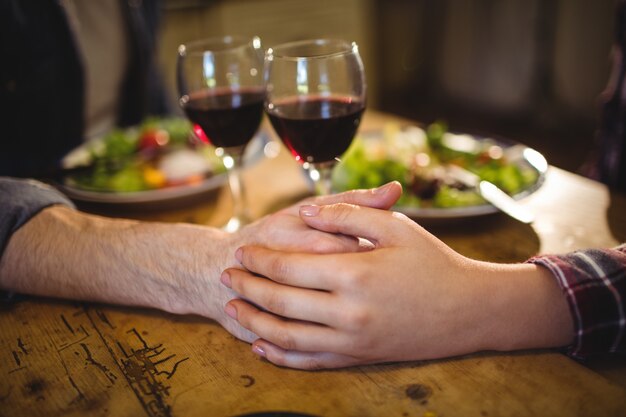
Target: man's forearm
{"type": "Point", "coordinates": [174, 267]}
{"type": "Point", "coordinates": [63, 253]}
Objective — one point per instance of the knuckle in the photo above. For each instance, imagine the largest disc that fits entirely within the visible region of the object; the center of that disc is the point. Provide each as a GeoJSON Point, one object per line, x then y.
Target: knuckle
{"type": "Point", "coordinates": [279, 269]}
{"type": "Point", "coordinates": [238, 283]}
{"type": "Point", "coordinates": [402, 219]}
{"type": "Point", "coordinates": [341, 211]}
{"type": "Point", "coordinates": [251, 320]}
{"type": "Point", "coordinates": [247, 258]}
{"type": "Point", "coordinates": [273, 226]}
{"type": "Point", "coordinates": [284, 339]}
{"type": "Point", "coordinates": [359, 342]}
{"type": "Point", "coordinates": [356, 318]}
{"type": "Point", "coordinates": [245, 318]}
{"type": "Point", "coordinates": [268, 226]}
{"type": "Point", "coordinates": [351, 196]}
{"type": "Point", "coordinates": [400, 216]}
{"type": "Point", "coordinates": [354, 279]}
{"type": "Point", "coordinates": [276, 304]}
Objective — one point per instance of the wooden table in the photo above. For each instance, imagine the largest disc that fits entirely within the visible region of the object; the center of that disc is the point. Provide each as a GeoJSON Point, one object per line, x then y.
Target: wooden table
{"type": "Point", "coordinates": [61, 358]}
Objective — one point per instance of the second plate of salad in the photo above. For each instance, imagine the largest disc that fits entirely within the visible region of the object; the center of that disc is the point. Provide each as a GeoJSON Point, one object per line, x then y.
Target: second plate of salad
{"type": "Point", "coordinates": [158, 161]}
{"type": "Point", "coordinates": [418, 158]}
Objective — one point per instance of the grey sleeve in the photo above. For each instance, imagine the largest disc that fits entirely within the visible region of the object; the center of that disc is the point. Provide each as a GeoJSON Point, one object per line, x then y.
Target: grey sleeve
{"type": "Point", "coordinates": [20, 200]}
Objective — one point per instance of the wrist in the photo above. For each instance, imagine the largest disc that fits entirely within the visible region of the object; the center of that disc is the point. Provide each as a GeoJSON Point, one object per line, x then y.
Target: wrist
{"type": "Point", "coordinates": [524, 308]}
{"type": "Point", "coordinates": [197, 258]}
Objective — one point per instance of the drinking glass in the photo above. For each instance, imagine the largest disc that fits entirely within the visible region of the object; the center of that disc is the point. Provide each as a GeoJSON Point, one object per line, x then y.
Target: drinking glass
{"type": "Point", "coordinates": [315, 98]}
{"type": "Point", "coordinates": [221, 90]}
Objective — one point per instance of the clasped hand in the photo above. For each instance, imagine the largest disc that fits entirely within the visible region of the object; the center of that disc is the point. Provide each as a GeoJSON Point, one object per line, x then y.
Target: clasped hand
{"type": "Point", "coordinates": [407, 296]}
{"type": "Point", "coordinates": [331, 310]}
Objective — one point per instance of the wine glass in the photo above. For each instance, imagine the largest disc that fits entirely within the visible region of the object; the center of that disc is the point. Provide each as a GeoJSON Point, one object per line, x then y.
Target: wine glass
{"type": "Point", "coordinates": [315, 98]}
{"type": "Point", "coordinates": [221, 90]}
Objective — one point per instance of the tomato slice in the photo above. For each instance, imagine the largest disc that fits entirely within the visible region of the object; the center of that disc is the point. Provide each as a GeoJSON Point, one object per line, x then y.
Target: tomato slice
{"type": "Point", "coordinates": [153, 139]}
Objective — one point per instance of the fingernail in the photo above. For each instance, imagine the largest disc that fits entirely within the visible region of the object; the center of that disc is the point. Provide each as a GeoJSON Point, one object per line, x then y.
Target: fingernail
{"type": "Point", "coordinates": [383, 188]}
{"type": "Point", "coordinates": [225, 279]}
{"type": "Point", "coordinates": [258, 350]}
{"type": "Point", "coordinates": [231, 311]}
{"type": "Point", "coordinates": [239, 254]}
{"type": "Point", "coordinates": [309, 211]}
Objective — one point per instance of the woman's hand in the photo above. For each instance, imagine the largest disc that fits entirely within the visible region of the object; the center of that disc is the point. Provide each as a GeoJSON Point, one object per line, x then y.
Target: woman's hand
{"type": "Point", "coordinates": [286, 231]}
{"type": "Point", "coordinates": [412, 297]}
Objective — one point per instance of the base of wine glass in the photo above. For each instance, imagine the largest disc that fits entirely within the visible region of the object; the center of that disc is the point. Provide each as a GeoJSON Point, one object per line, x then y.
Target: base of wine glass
{"type": "Point", "coordinates": [321, 174]}
{"type": "Point", "coordinates": [235, 223]}
{"type": "Point", "coordinates": [233, 160]}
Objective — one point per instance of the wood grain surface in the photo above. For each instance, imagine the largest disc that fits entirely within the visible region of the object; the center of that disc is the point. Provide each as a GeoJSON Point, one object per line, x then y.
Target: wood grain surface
{"type": "Point", "coordinates": [62, 358]}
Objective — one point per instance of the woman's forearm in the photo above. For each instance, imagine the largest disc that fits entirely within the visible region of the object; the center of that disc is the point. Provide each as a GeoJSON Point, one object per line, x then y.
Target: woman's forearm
{"type": "Point", "coordinates": [523, 307]}
{"type": "Point", "coordinates": [410, 298]}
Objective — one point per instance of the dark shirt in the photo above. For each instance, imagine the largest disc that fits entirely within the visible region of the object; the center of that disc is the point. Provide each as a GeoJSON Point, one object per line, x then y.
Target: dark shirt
{"type": "Point", "coordinates": [20, 200]}
{"type": "Point", "coordinates": [42, 93]}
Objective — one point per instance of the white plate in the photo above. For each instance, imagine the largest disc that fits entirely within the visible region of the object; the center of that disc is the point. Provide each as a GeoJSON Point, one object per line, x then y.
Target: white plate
{"type": "Point", "coordinates": [254, 151]}
{"type": "Point", "coordinates": [149, 196]}
{"type": "Point", "coordinates": [515, 152]}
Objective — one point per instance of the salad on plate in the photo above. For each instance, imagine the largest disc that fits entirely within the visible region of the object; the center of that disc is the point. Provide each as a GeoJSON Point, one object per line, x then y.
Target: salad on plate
{"type": "Point", "coordinates": [158, 154]}
{"type": "Point", "coordinates": [420, 160]}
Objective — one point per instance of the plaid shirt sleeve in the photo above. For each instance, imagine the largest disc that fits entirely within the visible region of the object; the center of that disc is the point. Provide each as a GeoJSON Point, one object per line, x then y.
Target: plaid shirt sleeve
{"type": "Point", "coordinates": [594, 283]}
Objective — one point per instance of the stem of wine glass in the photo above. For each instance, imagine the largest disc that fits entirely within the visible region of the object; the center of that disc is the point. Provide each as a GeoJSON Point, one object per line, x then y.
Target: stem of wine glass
{"type": "Point", "coordinates": [233, 160]}
{"type": "Point", "coordinates": [322, 175]}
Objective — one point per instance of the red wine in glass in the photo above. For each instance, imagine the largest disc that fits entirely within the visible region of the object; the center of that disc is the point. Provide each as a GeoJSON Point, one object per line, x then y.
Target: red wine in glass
{"type": "Point", "coordinates": [316, 129]}
{"type": "Point", "coordinates": [222, 91]}
{"type": "Point", "coordinates": [315, 101]}
{"type": "Point", "coordinates": [229, 118]}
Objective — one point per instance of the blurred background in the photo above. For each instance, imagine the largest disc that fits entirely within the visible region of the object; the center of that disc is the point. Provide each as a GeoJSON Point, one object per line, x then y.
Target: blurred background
{"type": "Point", "coordinates": [527, 70]}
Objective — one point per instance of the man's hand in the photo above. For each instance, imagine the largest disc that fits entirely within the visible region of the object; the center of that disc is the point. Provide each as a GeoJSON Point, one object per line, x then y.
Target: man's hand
{"type": "Point", "coordinates": [65, 253]}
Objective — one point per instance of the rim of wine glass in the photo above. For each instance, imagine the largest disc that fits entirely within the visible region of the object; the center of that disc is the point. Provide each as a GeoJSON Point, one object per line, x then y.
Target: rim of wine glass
{"type": "Point", "coordinates": [346, 48]}
{"type": "Point", "coordinates": [218, 44]}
